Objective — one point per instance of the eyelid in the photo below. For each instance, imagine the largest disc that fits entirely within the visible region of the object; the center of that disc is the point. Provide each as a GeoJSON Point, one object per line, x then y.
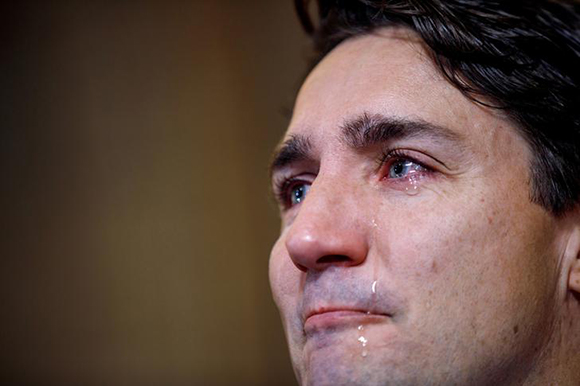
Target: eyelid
{"type": "Point", "coordinates": [422, 159]}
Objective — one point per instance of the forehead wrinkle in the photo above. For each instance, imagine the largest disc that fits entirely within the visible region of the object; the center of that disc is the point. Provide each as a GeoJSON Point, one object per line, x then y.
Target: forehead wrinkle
{"type": "Point", "coordinates": [370, 129]}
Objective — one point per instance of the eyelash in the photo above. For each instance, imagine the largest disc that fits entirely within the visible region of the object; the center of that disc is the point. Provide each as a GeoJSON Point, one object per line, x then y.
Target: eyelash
{"type": "Point", "coordinates": [283, 186]}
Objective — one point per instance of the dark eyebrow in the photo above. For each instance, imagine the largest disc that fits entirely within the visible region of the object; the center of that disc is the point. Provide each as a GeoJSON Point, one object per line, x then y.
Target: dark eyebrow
{"type": "Point", "coordinates": [296, 148]}
{"type": "Point", "coordinates": [361, 132]}
{"type": "Point", "coordinates": [368, 130]}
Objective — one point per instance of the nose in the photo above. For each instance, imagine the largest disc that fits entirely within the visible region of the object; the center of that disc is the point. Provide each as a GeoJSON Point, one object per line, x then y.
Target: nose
{"type": "Point", "coordinates": [327, 230]}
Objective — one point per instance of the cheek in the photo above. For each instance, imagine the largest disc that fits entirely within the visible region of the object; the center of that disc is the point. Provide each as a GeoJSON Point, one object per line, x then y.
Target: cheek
{"type": "Point", "coordinates": [470, 273]}
{"type": "Point", "coordinates": [284, 278]}
{"type": "Point", "coordinates": [473, 260]}
{"type": "Point", "coordinates": [285, 282]}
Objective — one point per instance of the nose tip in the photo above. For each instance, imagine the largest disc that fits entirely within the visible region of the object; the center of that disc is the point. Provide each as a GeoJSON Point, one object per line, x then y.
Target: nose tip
{"type": "Point", "coordinates": [317, 241]}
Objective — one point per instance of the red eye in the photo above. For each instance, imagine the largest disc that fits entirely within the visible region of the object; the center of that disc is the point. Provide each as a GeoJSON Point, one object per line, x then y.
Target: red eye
{"type": "Point", "coordinates": [403, 167]}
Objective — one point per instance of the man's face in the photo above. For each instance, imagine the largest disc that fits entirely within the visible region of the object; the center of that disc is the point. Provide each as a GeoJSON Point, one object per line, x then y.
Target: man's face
{"type": "Point", "coordinates": [410, 252]}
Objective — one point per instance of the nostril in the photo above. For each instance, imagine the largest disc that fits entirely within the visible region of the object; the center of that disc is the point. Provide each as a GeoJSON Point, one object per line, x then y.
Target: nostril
{"type": "Point", "coordinates": [334, 259]}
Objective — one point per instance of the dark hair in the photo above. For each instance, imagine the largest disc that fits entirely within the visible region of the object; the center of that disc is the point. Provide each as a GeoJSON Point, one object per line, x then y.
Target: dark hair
{"type": "Point", "coordinates": [519, 56]}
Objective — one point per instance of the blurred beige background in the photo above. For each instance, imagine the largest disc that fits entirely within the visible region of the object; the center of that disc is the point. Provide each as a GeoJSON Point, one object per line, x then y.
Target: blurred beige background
{"type": "Point", "coordinates": [137, 224]}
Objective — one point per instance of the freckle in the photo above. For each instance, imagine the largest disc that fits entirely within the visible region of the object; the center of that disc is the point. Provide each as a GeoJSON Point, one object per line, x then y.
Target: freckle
{"type": "Point", "coordinates": [516, 329]}
{"type": "Point", "coordinates": [434, 266]}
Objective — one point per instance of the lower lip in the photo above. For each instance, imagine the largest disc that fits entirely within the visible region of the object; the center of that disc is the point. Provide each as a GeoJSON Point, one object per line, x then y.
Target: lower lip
{"type": "Point", "coordinates": [341, 319]}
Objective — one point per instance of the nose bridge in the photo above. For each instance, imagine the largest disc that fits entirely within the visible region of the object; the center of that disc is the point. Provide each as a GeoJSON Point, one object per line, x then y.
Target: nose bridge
{"type": "Point", "coordinates": [329, 228]}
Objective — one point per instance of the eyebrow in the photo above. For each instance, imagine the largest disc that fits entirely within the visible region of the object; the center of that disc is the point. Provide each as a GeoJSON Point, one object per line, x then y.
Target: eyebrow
{"type": "Point", "coordinates": [362, 132]}
{"type": "Point", "coordinates": [368, 130]}
{"type": "Point", "coordinates": [295, 149]}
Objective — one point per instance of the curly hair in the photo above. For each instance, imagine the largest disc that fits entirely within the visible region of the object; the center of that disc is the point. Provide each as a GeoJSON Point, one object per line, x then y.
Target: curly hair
{"type": "Point", "coordinates": [520, 56]}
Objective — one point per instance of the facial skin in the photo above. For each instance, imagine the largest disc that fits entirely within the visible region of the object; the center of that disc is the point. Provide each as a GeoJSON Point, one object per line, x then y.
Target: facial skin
{"type": "Point", "coordinates": [413, 255]}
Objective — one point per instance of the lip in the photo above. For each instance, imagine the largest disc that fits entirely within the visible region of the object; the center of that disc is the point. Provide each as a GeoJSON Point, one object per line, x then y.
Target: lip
{"type": "Point", "coordinates": [327, 319]}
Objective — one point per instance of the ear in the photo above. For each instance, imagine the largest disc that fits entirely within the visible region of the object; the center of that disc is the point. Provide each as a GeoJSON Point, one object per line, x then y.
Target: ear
{"type": "Point", "coordinates": [574, 253]}
{"type": "Point", "coordinates": [574, 279]}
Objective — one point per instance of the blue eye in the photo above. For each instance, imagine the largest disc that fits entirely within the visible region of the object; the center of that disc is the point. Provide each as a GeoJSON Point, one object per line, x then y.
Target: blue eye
{"type": "Point", "coordinates": [401, 168]}
{"type": "Point", "coordinates": [292, 191]}
{"type": "Point", "coordinates": [298, 193]}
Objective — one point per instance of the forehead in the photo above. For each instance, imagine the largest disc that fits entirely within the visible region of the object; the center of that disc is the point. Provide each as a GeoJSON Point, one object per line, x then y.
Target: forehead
{"type": "Point", "coordinates": [390, 73]}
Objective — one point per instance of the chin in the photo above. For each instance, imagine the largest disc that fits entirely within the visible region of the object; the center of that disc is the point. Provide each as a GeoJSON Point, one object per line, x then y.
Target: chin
{"type": "Point", "coordinates": [336, 366]}
{"type": "Point", "coordinates": [340, 367]}
{"type": "Point", "coordinates": [342, 360]}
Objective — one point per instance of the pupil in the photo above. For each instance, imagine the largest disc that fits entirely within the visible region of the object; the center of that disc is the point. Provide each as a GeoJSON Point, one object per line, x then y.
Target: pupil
{"type": "Point", "coordinates": [399, 168]}
{"type": "Point", "coordinates": [298, 193]}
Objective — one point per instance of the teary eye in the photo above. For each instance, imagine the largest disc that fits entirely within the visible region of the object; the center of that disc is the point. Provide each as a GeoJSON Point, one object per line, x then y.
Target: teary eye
{"type": "Point", "coordinates": [402, 167]}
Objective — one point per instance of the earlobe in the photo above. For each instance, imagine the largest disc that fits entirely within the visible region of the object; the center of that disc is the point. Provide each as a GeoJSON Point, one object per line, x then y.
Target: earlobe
{"type": "Point", "coordinates": [574, 279]}
{"type": "Point", "coordinates": [574, 253]}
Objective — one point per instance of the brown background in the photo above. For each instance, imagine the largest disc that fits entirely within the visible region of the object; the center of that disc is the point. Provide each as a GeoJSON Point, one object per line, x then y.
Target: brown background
{"type": "Point", "coordinates": [136, 220]}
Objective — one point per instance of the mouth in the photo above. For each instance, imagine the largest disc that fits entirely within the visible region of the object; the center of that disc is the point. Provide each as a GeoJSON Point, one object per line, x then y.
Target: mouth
{"type": "Point", "coordinates": [332, 319]}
